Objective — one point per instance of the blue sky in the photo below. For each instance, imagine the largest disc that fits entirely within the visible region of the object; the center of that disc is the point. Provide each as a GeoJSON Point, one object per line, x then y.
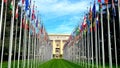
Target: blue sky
{"type": "Point", "coordinates": [61, 16]}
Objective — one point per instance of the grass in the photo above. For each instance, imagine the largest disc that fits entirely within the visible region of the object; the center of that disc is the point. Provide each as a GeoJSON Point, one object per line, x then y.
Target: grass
{"type": "Point", "coordinates": [55, 63]}
{"type": "Point", "coordinates": [5, 64]}
{"type": "Point", "coordinates": [59, 63]}
{"type": "Point", "coordinates": [85, 65]}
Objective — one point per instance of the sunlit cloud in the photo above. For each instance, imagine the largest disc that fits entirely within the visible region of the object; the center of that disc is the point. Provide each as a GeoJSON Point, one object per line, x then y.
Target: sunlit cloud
{"type": "Point", "coordinates": [61, 16]}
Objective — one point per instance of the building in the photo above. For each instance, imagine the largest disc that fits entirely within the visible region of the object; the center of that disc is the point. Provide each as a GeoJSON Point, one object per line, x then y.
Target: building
{"type": "Point", "coordinates": [58, 41]}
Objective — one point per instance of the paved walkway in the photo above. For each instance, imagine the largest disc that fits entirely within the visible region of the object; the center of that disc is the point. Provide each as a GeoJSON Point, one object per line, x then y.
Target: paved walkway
{"type": "Point", "coordinates": [59, 63]}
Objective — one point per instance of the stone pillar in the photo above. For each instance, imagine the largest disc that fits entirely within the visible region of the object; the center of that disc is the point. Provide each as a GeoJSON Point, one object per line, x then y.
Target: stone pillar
{"type": "Point", "coordinates": [61, 47]}
{"type": "Point", "coordinates": [54, 46]}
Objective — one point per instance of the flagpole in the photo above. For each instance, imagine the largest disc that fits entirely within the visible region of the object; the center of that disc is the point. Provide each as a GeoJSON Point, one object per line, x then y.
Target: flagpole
{"type": "Point", "coordinates": [96, 46]}
{"type": "Point", "coordinates": [115, 42]}
{"type": "Point", "coordinates": [109, 40]}
{"type": "Point", "coordinates": [113, 9]}
{"type": "Point", "coordinates": [32, 51]}
{"type": "Point", "coordinates": [25, 43]}
{"type": "Point", "coordinates": [29, 40]}
{"type": "Point", "coordinates": [83, 48]}
{"type": "Point", "coordinates": [119, 16]}
{"type": "Point", "coordinates": [103, 51]}
{"type": "Point", "coordinates": [34, 47]}
{"type": "Point", "coordinates": [88, 42]}
{"type": "Point", "coordinates": [1, 18]}
{"type": "Point", "coordinates": [19, 47]}
{"type": "Point", "coordinates": [3, 42]}
{"type": "Point", "coordinates": [15, 43]}
{"type": "Point", "coordinates": [119, 20]}
{"type": "Point", "coordinates": [99, 45]}
{"type": "Point", "coordinates": [15, 36]}
{"type": "Point", "coordinates": [11, 36]}
{"type": "Point", "coordinates": [97, 26]}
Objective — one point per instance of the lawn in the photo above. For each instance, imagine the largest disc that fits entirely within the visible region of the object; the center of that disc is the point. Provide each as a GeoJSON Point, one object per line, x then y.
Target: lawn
{"type": "Point", "coordinates": [59, 63]}
{"type": "Point", "coordinates": [31, 63]}
{"type": "Point", "coordinates": [54, 63]}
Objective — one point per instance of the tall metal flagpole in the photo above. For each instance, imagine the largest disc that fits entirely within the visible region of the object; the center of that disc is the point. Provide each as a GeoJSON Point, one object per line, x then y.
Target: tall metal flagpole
{"type": "Point", "coordinates": [92, 45]}
{"type": "Point", "coordinates": [11, 36]}
{"type": "Point", "coordinates": [88, 48]}
{"type": "Point", "coordinates": [25, 43]}
{"type": "Point", "coordinates": [29, 45]}
{"type": "Point", "coordinates": [85, 50]}
{"type": "Point", "coordinates": [19, 47]}
{"type": "Point", "coordinates": [99, 49]}
{"type": "Point", "coordinates": [103, 51]}
{"type": "Point", "coordinates": [119, 18]}
{"type": "Point", "coordinates": [95, 30]}
{"type": "Point", "coordinates": [115, 42]}
{"type": "Point", "coordinates": [82, 49]}
{"type": "Point", "coordinates": [3, 36]}
{"type": "Point", "coordinates": [88, 42]}
{"type": "Point", "coordinates": [109, 40]}
{"type": "Point", "coordinates": [96, 46]}
{"type": "Point", "coordinates": [91, 38]}
{"type": "Point", "coordinates": [97, 25]}
{"type": "Point", "coordinates": [29, 38]}
{"type": "Point", "coordinates": [32, 53]}
{"type": "Point", "coordinates": [15, 39]}
{"type": "Point", "coordinates": [1, 18]}
{"type": "Point", "coordinates": [113, 9]}
{"type": "Point", "coordinates": [34, 46]}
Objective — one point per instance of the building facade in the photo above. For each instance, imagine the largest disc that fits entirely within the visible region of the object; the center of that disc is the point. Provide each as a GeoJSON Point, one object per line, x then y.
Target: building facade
{"type": "Point", "coordinates": [57, 42]}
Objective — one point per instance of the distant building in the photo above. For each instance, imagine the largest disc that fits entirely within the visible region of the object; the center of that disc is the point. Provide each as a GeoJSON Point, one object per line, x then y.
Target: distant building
{"type": "Point", "coordinates": [58, 41]}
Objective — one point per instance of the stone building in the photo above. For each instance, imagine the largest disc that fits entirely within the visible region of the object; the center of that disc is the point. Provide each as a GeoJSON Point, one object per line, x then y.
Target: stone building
{"type": "Point", "coordinates": [57, 42]}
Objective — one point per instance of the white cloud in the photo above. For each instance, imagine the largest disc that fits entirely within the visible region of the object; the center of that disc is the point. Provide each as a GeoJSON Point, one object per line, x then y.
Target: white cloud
{"type": "Point", "coordinates": [52, 10]}
{"type": "Point", "coordinates": [61, 8]}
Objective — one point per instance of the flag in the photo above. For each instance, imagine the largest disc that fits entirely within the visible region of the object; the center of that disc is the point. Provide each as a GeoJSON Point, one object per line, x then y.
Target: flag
{"type": "Point", "coordinates": [113, 8]}
{"type": "Point", "coordinates": [29, 10]}
{"type": "Point", "coordinates": [5, 1]}
{"type": "Point", "coordinates": [88, 24]}
{"type": "Point", "coordinates": [26, 5]}
{"type": "Point", "coordinates": [41, 29]}
{"type": "Point", "coordinates": [29, 15]}
{"type": "Point", "coordinates": [91, 27]}
{"type": "Point", "coordinates": [25, 24]}
{"type": "Point", "coordinates": [99, 1]}
{"type": "Point", "coordinates": [23, 1]}
{"type": "Point", "coordinates": [100, 7]}
{"type": "Point", "coordinates": [81, 28]}
{"type": "Point", "coordinates": [94, 10]}
{"type": "Point", "coordinates": [94, 15]}
{"type": "Point", "coordinates": [90, 14]}
{"type": "Point", "coordinates": [33, 13]}
{"type": "Point", "coordinates": [11, 5]}
{"type": "Point", "coordinates": [106, 1]}
{"type": "Point", "coordinates": [77, 31]}
{"type": "Point", "coordinates": [97, 21]}
{"type": "Point", "coordinates": [84, 22]}
{"type": "Point", "coordinates": [16, 15]}
{"type": "Point", "coordinates": [37, 22]}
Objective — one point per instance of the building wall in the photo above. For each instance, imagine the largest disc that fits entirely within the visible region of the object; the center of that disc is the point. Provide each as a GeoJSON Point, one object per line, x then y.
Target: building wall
{"type": "Point", "coordinates": [58, 41]}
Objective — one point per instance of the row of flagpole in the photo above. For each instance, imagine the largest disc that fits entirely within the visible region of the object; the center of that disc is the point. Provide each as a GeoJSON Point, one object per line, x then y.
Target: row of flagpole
{"type": "Point", "coordinates": [33, 47]}
{"type": "Point", "coordinates": [90, 40]}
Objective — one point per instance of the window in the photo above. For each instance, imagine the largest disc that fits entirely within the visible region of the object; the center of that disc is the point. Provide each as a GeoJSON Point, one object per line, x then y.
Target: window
{"type": "Point", "coordinates": [57, 49]}
{"type": "Point", "coordinates": [57, 45]}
